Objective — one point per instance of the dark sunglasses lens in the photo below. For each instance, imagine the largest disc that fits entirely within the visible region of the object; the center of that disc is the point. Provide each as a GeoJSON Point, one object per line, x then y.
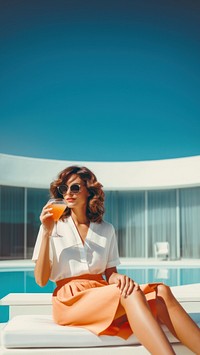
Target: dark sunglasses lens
{"type": "Point", "coordinates": [62, 189]}
{"type": "Point", "coordinates": [75, 188]}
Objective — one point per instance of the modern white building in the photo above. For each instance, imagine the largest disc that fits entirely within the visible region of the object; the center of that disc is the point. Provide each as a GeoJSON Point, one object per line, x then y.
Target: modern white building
{"type": "Point", "coordinates": [147, 201]}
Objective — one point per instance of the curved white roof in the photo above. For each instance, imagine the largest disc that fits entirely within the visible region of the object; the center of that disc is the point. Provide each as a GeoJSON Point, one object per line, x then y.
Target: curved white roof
{"type": "Point", "coordinates": [143, 175]}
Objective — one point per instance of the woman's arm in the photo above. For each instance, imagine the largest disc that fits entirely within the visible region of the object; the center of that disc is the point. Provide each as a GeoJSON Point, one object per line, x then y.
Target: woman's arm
{"type": "Point", "coordinates": [125, 284]}
{"type": "Point", "coordinates": [109, 272]}
{"type": "Point", "coordinates": [43, 264]}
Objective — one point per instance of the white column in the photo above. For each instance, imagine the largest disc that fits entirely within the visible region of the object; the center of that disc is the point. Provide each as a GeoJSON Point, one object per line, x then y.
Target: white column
{"type": "Point", "coordinates": [25, 223]}
{"type": "Point", "coordinates": [146, 223]}
{"type": "Point", "coordinates": [178, 241]}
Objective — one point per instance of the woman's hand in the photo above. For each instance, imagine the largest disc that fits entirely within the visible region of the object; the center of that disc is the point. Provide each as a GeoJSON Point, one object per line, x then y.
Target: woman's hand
{"type": "Point", "coordinates": [46, 218]}
{"type": "Point", "coordinates": [125, 284]}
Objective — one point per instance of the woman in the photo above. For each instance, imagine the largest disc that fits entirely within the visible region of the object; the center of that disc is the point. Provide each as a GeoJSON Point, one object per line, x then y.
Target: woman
{"type": "Point", "coordinates": [85, 250]}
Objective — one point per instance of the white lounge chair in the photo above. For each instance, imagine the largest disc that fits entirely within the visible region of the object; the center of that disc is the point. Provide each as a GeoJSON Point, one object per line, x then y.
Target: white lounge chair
{"type": "Point", "coordinates": [161, 249]}
{"type": "Point", "coordinates": [37, 334]}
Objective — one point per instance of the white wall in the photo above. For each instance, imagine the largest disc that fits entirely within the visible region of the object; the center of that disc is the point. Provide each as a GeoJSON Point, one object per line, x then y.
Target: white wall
{"type": "Point", "coordinates": [158, 174]}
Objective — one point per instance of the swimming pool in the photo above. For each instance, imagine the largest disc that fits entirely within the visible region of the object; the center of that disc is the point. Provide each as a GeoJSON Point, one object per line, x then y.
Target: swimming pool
{"type": "Point", "coordinates": [169, 275]}
{"type": "Point", "coordinates": [23, 281]}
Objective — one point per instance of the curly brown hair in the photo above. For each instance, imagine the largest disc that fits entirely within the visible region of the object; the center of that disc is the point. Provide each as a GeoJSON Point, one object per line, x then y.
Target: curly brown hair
{"type": "Point", "coordinates": [95, 207]}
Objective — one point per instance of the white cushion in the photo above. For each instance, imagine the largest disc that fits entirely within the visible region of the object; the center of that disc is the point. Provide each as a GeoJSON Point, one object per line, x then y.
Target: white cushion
{"type": "Point", "coordinates": [39, 331]}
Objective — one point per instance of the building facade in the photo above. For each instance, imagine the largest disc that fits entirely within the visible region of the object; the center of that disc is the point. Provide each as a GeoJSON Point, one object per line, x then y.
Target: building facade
{"type": "Point", "coordinates": [146, 202]}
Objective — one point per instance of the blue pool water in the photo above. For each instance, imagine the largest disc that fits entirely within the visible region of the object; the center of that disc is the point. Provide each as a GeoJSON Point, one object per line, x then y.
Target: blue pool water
{"type": "Point", "coordinates": [19, 282]}
{"type": "Point", "coordinates": [23, 281]}
{"type": "Point", "coordinates": [170, 276]}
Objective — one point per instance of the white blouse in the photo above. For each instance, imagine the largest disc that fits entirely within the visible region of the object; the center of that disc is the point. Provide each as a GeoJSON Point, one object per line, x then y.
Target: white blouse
{"type": "Point", "coordinates": [71, 257]}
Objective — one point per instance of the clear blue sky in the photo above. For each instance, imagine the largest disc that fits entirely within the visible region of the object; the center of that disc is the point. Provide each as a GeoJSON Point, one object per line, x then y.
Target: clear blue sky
{"type": "Point", "coordinates": [103, 80]}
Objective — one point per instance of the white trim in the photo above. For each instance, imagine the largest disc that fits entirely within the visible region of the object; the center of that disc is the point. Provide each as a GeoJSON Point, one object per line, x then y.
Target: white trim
{"type": "Point", "coordinates": [142, 175]}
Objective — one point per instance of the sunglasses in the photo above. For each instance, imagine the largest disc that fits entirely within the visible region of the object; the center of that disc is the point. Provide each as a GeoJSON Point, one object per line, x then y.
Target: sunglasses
{"type": "Point", "coordinates": [74, 189]}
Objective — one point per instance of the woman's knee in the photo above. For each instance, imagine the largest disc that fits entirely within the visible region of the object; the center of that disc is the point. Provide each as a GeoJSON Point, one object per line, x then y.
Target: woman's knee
{"type": "Point", "coordinates": [135, 297]}
{"type": "Point", "coordinates": [164, 292]}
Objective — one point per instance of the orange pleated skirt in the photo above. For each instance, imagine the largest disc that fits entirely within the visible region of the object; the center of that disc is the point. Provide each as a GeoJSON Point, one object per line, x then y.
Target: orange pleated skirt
{"type": "Point", "coordinates": [88, 301]}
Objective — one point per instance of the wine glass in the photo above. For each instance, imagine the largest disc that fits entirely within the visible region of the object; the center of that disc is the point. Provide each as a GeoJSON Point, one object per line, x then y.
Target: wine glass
{"type": "Point", "coordinates": [58, 206]}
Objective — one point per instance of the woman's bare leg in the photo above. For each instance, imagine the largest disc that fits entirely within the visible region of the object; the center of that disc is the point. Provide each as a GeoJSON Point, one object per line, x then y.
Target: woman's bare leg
{"type": "Point", "coordinates": [144, 325]}
{"type": "Point", "coordinates": [177, 319]}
